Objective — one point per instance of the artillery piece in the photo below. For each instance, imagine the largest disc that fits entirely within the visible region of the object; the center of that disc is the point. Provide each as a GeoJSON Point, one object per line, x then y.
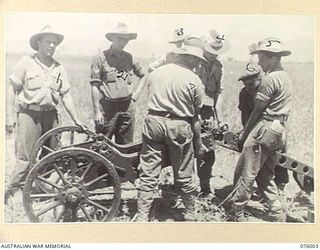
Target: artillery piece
{"type": "Point", "coordinates": [76, 175]}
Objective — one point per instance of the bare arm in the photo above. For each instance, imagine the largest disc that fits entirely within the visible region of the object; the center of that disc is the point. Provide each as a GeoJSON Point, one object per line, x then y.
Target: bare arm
{"type": "Point", "coordinates": [141, 85]}
{"type": "Point", "coordinates": [10, 120]}
{"type": "Point", "coordinates": [256, 114]}
{"type": "Point", "coordinates": [218, 100]}
{"type": "Point", "coordinates": [95, 94]}
{"type": "Point", "coordinates": [156, 64]}
{"type": "Point", "coordinates": [69, 105]}
{"type": "Point", "coordinates": [196, 129]}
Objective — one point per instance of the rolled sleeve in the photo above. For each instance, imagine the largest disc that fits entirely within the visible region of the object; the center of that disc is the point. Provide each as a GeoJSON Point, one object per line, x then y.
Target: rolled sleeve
{"type": "Point", "coordinates": [265, 90]}
{"type": "Point", "coordinates": [96, 70]}
{"type": "Point", "coordinates": [18, 74]}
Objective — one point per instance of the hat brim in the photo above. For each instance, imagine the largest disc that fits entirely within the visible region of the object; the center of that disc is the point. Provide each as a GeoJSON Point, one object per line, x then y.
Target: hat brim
{"type": "Point", "coordinates": [182, 51]}
{"type": "Point", "coordinates": [182, 38]}
{"type": "Point", "coordinates": [249, 77]}
{"type": "Point", "coordinates": [226, 46]}
{"type": "Point", "coordinates": [34, 39]}
{"type": "Point", "coordinates": [279, 52]}
{"type": "Point", "coordinates": [129, 36]}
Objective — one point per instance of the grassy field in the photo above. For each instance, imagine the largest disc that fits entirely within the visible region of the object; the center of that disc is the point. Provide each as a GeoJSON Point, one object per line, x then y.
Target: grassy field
{"type": "Point", "coordinates": [301, 123]}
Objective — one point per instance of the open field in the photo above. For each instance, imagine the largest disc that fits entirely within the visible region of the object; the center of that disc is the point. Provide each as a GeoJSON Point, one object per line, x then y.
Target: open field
{"type": "Point", "coordinates": [300, 142]}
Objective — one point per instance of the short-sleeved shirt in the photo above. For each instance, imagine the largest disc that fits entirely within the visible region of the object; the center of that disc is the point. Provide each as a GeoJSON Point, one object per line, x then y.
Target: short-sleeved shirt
{"type": "Point", "coordinates": [35, 83]}
{"type": "Point", "coordinates": [211, 74]}
{"type": "Point", "coordinates": [275, 89]}
{"type": "Point", "coordinates": [176, 90]}
{"type": "Point", "coordinates": [112, 71]}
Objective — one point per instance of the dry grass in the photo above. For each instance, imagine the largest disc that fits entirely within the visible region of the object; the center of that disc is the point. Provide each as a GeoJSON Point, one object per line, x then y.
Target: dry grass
{"type": "Point", "coordinates": [300, 144]}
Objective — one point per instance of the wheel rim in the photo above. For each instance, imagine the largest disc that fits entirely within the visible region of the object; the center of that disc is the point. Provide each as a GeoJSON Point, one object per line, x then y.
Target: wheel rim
{"type": "Point", "coordinates": [77, 185]}
{"type": "Point", "coordinates": [55, 139]}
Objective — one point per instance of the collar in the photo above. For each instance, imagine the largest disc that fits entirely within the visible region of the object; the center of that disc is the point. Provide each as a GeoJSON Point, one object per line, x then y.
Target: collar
{"type": "Point", "coordinates": [54, 62]}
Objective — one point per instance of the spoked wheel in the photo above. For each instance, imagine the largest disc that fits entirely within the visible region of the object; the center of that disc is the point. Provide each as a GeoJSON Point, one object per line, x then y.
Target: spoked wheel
{"type": "Point", "coordinates": [80, 186]}
{"type": "Point", "coordinates": [56, 139]}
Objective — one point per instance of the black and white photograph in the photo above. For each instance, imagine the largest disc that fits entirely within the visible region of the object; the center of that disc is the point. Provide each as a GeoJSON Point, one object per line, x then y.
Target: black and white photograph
{"type": "Point", "coordinates": [159, 118]}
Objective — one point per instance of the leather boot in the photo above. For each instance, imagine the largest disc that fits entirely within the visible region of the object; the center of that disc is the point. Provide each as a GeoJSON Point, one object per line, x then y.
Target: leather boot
{"type": "Point", "coordinates": [189, 201]}
{"type": "Point", "coordinates": [276, 215]}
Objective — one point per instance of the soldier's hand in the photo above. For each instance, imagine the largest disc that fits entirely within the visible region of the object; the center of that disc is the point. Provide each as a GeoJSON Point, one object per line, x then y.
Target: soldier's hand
{"type": "Point", "coordinates": [10, 124]}
{"type": "Point", "coordinates": [81, 125]}
{"type": "Point", "coordinates": [98, 117]}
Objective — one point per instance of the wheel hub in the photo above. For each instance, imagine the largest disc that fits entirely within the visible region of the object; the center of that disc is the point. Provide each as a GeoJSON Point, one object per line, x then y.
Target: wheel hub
{"type": "Point", "coordinates": [73, 195]}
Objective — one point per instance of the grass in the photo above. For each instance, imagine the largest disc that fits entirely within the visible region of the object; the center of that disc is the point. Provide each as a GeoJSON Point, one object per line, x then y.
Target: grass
{"type": "Point", "coordinates": [301, 122]}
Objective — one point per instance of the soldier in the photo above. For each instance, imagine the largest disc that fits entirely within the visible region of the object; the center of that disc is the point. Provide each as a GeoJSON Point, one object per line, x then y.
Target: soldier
{"type": "Point", "coordinates": [264, 133]}
{"type": "Point", "coordinates": [251, 79]}
{"type": "Point", "coordinates": [112, 86]}
{"type": "Point", "coordinates": [211, 75]}
{"type": "Point", "coordinates": [173, 109]}
{"type": "Point", "coordinates": [179, 36]}
{"type": "Point", "coordinates": [36, 82]}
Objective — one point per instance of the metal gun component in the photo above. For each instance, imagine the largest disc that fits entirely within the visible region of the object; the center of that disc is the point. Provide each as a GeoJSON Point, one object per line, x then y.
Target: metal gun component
{"type": "Point", "coordinates": [303, 174]}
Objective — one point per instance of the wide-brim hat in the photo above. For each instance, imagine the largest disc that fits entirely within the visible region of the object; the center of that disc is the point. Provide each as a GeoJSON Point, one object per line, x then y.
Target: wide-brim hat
{"type": "Point", "coordinates": [179, 35]}
{"type": "Point", "coordinates": [192, 46]}
{"type": "Point", "coordinates": [47, 30]}
{"type": "Point", "coordinates": [216, 44]}
{"type": "Point", "coordinates": [190, 50]}
{"type": "Point", "coordinates": [271, 44]}
{"type": "Point", "coordinates": [121, 30]}
{"type": "Point", "coordinates": [250, 73]}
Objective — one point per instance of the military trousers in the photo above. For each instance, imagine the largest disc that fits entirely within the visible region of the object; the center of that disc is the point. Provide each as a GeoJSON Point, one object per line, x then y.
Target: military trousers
{"type": "Point", "coordinates": [257, 163]}
{"type": "Point", "coordinates": [31, 125]}
{"type": "Point", "coordinates": [205, 166]}
{"type": "Point", "coordinates": [165, 142]}
{"type": "Point", "coordinates": [119, 120]}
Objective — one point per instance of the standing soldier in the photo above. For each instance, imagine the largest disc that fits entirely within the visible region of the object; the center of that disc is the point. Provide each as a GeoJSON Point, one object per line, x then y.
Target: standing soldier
{"type": "Point", "coordinates": [112, 87]}
{"type": "Point", "coordinates": [251, 80]}
{"type": "Point", "coordinates": [179, 36]}
{"type": "Point", "coordinates": [264, 133]}
{"type": "Point", "coordinates": [173, 111]}
{"type": "Point", "coordinates": [37, 81]}
{"type": "Point", "coordinates": [211, 75]}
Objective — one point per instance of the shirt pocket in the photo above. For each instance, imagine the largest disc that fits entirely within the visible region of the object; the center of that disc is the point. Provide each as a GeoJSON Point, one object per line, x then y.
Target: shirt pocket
{"type": "Point", "coordinates": [108, 74]}
{"type": "Point", "coordinates": [56, 82]}
{"type": "Point", "coordinates": [270, 139]}
{"type": "Point", "coordinates": [33, 80]}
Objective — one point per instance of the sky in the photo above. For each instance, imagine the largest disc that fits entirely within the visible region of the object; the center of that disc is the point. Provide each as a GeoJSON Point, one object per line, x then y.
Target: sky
{"type": "Point", "coordinates": [84, 33]}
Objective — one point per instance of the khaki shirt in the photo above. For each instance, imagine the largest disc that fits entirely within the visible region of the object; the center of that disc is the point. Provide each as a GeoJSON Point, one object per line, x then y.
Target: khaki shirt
{"type": "Point", "coordinates": [176, 90]}
{"type": "Point", "coordinates": [112, 71]}
{"type": "Point", "coordinates": [38, 84]}
{"type": "Point", "coordinates": [275, 89]}
{"type": "Point", "coordinates": [211, 75]}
